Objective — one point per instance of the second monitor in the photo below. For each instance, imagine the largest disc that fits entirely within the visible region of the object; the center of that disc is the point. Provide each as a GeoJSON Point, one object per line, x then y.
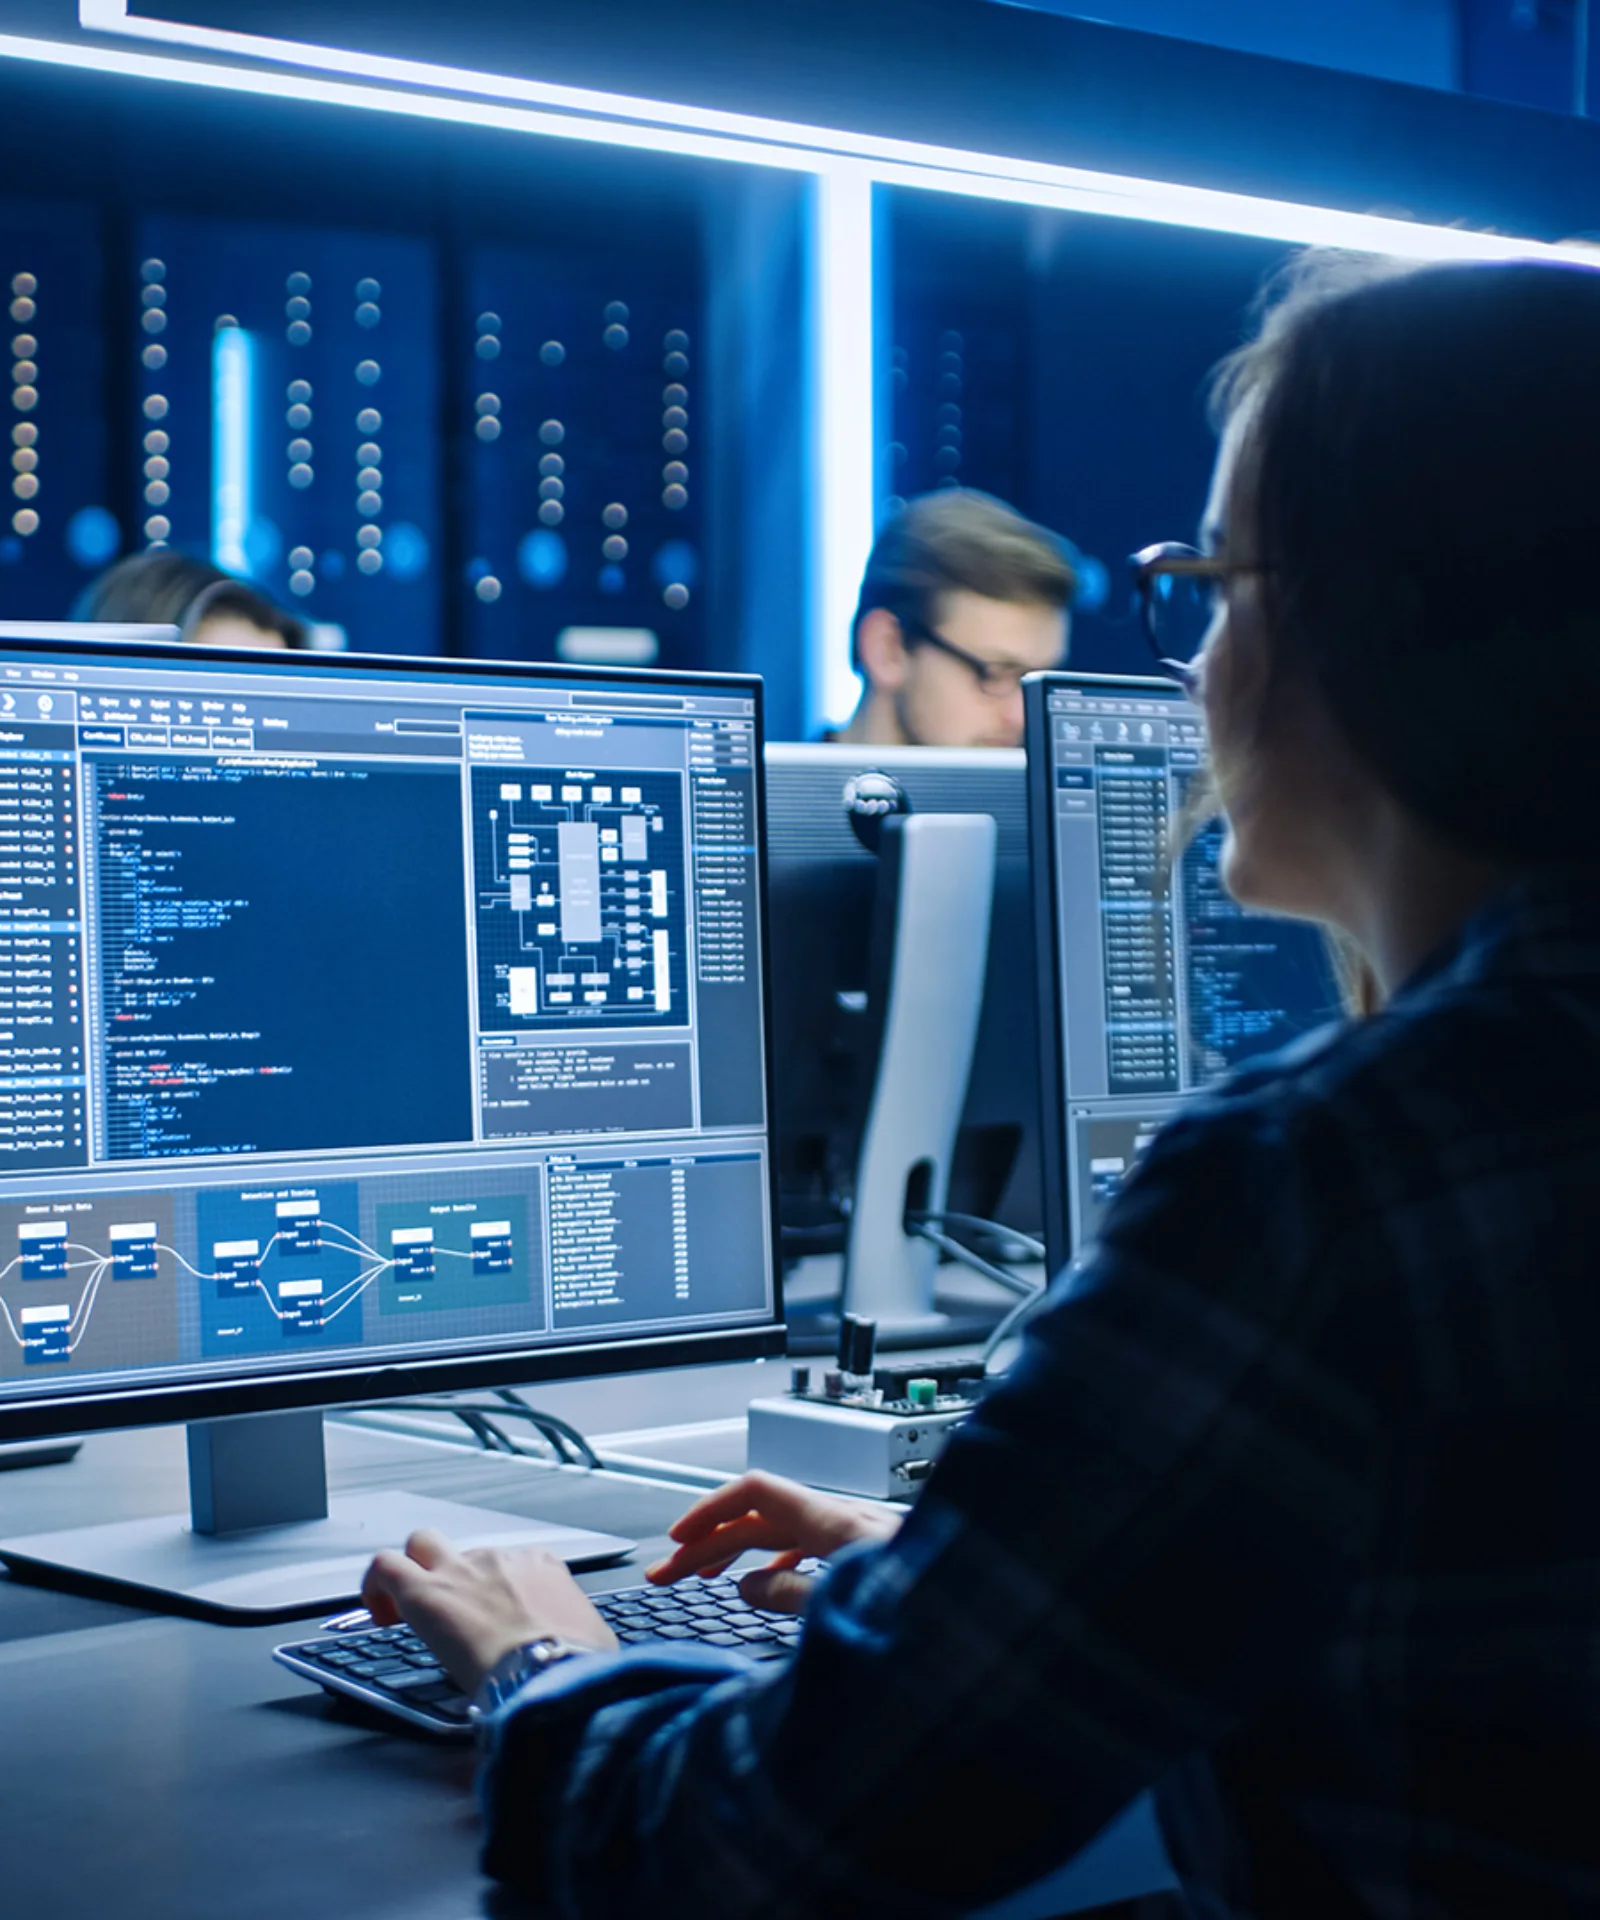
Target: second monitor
{"type": "Point", "coordinates": [1153, 981]}
{"type": "Point", "coordinates": [825, 886]}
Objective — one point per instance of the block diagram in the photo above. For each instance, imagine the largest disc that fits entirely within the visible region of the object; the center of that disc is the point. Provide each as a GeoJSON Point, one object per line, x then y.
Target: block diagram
{"type": "Point", "coordinates": [87, 1283]}
{"type": "Point", "coordinates": [298, 1266]}
{"type": "Point", "coordinates": [580, 898]}
{"type": "Point", "coordinates": [279, 1266]}
{"type": "Point", "coordinates": [446, 1255]}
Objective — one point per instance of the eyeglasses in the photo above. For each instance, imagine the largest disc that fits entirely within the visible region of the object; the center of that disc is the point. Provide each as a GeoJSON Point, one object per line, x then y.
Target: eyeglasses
{"type": "Point", "coordinates": [1177, 588]}
{"type": "Point", "coordinates": [994, 678]}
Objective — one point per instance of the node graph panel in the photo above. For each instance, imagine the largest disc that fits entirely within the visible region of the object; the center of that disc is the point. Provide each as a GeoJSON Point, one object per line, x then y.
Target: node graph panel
{"type": "Point", "coordinates": [88, 1282]}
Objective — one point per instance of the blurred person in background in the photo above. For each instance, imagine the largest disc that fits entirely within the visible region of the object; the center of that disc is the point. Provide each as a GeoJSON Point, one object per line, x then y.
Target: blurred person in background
{"type": "Point", "coordinates": [962, 596]}
{"type": "Point", "coordinates": [206, 605]}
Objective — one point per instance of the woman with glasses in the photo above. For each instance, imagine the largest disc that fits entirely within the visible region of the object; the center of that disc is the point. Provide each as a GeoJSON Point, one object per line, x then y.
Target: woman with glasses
{"type": "Point", "coordinates": [1287, 1511]}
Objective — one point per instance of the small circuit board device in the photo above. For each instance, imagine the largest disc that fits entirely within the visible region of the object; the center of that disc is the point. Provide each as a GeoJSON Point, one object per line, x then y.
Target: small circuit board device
{"type": "Point", "coordinates": [864, 1430]}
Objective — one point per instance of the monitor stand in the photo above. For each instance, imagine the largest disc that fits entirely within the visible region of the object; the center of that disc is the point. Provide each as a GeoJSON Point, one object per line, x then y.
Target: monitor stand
{"type": "Point", "coordinates": [263, 1541]}
{"type": "Point", "coordinates": [936, 872]}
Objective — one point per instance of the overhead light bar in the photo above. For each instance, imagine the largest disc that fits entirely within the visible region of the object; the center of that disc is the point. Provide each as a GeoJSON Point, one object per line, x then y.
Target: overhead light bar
{"type": "Point", "coordinates": [471, 98]}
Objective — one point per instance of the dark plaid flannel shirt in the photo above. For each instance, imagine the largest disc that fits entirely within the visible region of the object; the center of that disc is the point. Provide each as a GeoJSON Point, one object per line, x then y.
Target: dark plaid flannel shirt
{"type": "Point", "coordinates": [1290, 1511]}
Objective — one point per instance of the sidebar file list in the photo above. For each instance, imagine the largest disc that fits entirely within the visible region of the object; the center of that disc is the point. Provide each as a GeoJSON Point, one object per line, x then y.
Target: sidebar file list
{"type": "Point", "coordinates": [42, 1077]}
{"type": "Point", "coordinates": [1136, 920]}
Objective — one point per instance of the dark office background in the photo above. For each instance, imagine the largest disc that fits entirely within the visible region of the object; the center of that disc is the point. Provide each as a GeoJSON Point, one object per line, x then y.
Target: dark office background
{"type": "Point", "coordinates": [503, 389]}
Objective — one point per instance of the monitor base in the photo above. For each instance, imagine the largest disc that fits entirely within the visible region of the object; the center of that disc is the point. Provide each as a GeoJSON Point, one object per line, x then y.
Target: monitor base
{"type": "Point", "coordinates": [277, 1572]}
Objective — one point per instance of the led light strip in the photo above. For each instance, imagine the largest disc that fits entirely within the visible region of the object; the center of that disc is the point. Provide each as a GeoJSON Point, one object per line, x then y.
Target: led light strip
{"type": "Point", "coordinates": [667, 127]}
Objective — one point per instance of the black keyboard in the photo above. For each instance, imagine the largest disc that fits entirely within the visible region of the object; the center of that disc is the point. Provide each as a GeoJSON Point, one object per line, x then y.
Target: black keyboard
{"type": "Point", "coordinates": [390, 1669]}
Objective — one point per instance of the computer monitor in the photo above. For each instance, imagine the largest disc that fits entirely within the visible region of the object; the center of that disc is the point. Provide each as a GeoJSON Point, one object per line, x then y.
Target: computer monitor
{"type": "Point", "coordinates": [824, 887]}
{"type": "Point", "coordinates": [1152, 981]}
{"type": "Point", "coordinates": [368, 1027]}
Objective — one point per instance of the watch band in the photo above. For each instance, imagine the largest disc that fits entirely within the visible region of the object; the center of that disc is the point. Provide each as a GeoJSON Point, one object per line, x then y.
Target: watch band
{"type": "Point", "coordinates": [513, 1670]}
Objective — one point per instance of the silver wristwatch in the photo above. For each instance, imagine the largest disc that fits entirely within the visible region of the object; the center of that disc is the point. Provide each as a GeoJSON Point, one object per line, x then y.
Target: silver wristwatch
{"type": "Point", "coordinates": [513, 1670]}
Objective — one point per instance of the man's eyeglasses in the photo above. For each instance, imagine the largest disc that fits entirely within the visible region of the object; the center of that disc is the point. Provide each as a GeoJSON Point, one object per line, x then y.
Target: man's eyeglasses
{"type": "Point", "coordinates": [995, 678]}
{"type": "Point", "coordinates": [1177, 588]}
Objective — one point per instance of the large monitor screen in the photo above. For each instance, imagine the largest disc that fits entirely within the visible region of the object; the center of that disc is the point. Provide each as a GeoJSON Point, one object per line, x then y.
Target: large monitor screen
{"type": "Point", "coordinates": [1155, 981]}
{"type": "Point", "coordinates": [359, 1014]}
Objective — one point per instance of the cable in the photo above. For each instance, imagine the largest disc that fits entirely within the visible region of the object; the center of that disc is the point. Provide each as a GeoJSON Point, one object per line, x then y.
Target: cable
{"type": "Point", "coordinates": [557, 1431]}
{"type": "Point", "coordinates": [476, 1419]}
{"type": "Point", "coordinates": [1013, 1283]}
{"type": "Point", "coordinates": [1028, 1248]}
{"type": "Point", "coordinates": [1013, 1323]}
{"type": "Point", "coordinates": [567, 1444]}
{"type": "Point", "coordinates": [490, 1438]}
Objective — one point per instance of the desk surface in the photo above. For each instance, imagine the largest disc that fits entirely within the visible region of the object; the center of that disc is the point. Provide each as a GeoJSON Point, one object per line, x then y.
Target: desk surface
{"type": "Point", "coordinates": [165, 1769]}
{"type": "Point", "coordinates": [157, 1768]}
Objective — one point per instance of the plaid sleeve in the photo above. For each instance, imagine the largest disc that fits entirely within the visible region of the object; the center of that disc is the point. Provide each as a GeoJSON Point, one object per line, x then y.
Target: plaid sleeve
{"type": "Point", "coordinates": [1150, 1524]}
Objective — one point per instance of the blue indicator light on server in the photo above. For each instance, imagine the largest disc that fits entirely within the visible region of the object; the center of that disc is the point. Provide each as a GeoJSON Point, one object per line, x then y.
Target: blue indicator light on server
{"type": "Point", "coordinates": [93, 537]}
{"type": "Point", "coordinates": [542, 558]}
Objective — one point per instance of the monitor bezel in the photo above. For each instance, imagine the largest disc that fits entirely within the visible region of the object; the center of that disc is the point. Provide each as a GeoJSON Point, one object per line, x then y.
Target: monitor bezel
{"type": "Point", "coordinates": [1054, 1131]}
{"type": "Point", "coordinates": [349, 1383]}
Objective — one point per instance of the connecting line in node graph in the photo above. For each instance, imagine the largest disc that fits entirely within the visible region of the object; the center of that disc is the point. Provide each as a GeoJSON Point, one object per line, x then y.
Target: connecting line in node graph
{"type": "Point", "coordinates": [352, 1290]}
{"type": "Point", "coordinates": [184, 1263]}
{"type": "Point", "coordinates": [357, 1244]}
{"type": "Point", "coordinates": [78, 1325]}
{"type": "Point", "coordinates": [370, 1253]}
{"type": "Point", "coordinates": [272, 1306]}
{"type": "Point", "coordinates": [97, 1265]}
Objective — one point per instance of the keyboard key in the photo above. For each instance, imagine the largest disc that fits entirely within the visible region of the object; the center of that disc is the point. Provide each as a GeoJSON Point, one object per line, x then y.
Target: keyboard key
{"type": "Point", "coordinates": [414, 1684]}
{"type": "Point", "coordinates": [672, 1631]}
{"type": "Point", "coordinates": [722, 1640]}
{"type": "Point", "coordinates": [376, 1669]}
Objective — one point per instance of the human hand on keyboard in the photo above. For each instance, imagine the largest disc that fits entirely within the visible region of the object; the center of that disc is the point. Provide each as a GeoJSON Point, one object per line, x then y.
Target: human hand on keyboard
{"type": "Point", "coordinates": [471, 1608]}
{"type": "Point", "coordinates": [761, 1511]}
